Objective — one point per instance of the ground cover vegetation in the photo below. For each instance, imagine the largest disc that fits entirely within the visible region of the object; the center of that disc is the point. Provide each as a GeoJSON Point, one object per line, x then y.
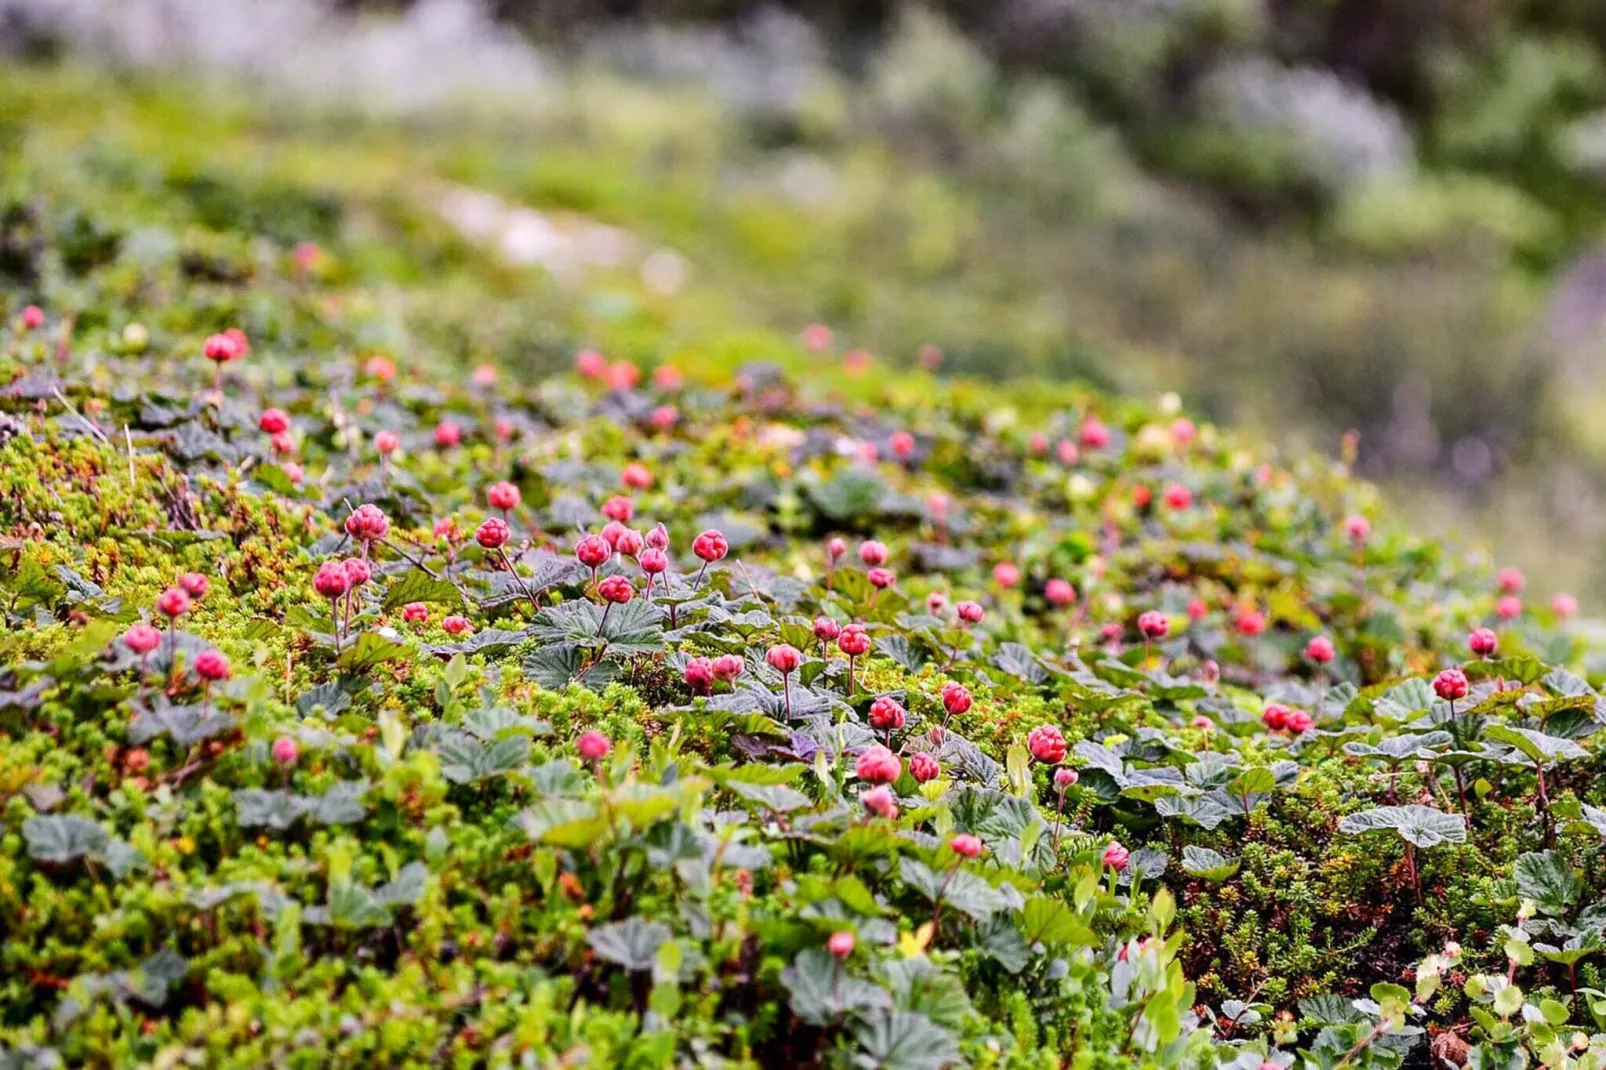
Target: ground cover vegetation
{"type": "Point", "coordinates": [411, 662]}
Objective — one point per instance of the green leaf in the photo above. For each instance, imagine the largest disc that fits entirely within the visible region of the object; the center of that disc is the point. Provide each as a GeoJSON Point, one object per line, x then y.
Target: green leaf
{"type": "Point", "coordinates": [61, 838]}
{"type": "Point", "coordinates": [821, 989]}
{"type": "Point", "coordinates": [1208, 865]}
{"type": "Point", "coordinates": [1049, 920]}
{"type": "Point", "coordinates": [1420, 825]}
{"type": "Point", "coordinates": [632, 943]}
{"type": "Point", "coordinates": [903, 1040]}
{"type": "Point", "coordinates": [416, 585]}
{"type": "Point", "coordinates": [1547, 879]}
{"type": "Point", "coordinates": [1537, 746]}
{"type": "Point", "coordinates": [370, 650]}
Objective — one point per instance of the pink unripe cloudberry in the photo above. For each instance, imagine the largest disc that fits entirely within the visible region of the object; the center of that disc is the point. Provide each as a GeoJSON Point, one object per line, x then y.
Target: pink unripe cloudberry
{"type": "Point", "coordinates": [220, 348]}
{"type": "Point", "coordinates": [285, 751]}
{"type": "Point", "coordinates": [611, 532]}
{"type": "Point", "coordinates": [33, 317]}
{"type": "Point", "coordinates": [294, 472]}
{"type": "Point", "coordinates": [1320, 649]}
{"type": "Point", "coordinates": [503, 496]}
{"type": "Point", "coordinates": [636, 476]}
{"type": "Point", "coordinates": [840, 945]}
{"type": "Point", "coordinates": [881, 578]}
{"type": "Point", "coordinates": [902, 444]}
{"type": "Point", "coordinates": [699, 674]}
{"type": "Point", "coordinates": [873, 553]}
{"type": "Point", "coordinates": [1508, 608]}
{"type": "Point", "coordinates": [357, 572]}
{"type": "Point", "coordinates": [886, 715]}
{"type": "Point", "coordinates": [936, 603]}
{"type": "Point", "coordinates": [616, 589]}
{"type": "Point", "coordinates": [593, 746]}
{"type": "Point", "coordinates": [194, 585]}
{"type": "Point", "coordinates": [593, 551]}
{"type": "Point", "coordinates": [1451, 684]}
{"type": "Point", "coordinates": [965, 845]}
{"type": "Point", "coordinates": [1116, 856]}
{"type": "Point", "coordinates": [282, 443]}
{"type": "Point", "coordinates": [711, 545]}
{"type": "Point", "coordinates": [728, 667]}
{"type": "Point", "coordinates": [619, 508]}
{"type": "Point", "coordinates": [1047, 744]}
{"type": "Point", "coordinates": [1094, 434]}
{"type": "Point", "coordinates": [835, 549]}
{"type": "Point", "coordinates": [854, 640]}
{"type": "Point", "coordinates": [590, 364]}
{"type": "Point", "coordinates": [956, 699]}
{"type": "Point", "coordinates": [923, 766]}
{"type": "Point", "coordinates": [274, 421]}
{"type": "Point", "coordinates": [654, 561]}
{"type": "Point", "coordinates": [173, 602]}
{"type": "Point", "coordinates": [1564, 605]}
{"type": "Point", "coordinates": [826, 630]}
{"type": "Point", "coordinates": [1275, 716]}
{"type": "Point", "coordinates": [970, 612]}
{"type": "Point", "coordinates": [658, 538]}
{"type": "Point", "coordinates": [816, 336]}
{"type": "Point", "coordinates": [1511, 580]}
{"type": "Point", "coordinates": [629, 543]}
{"type": "Point", "coordinates": [1357, 527]}
{"type": "Point", "coordinates": [1059, 592]}
{"type": "Point", "coordinates": [330, 580]}
{"type": "Point", "coordinates": [1006, 574]}
{"type": "Point", "coordinates": [142, 639]}
{"type": "Point", "coordinates": [623, 375]}
{"type": "Point", "coordinates": [1066, 451]}
{"type": "Point", "coordinates": [1153, 624]}
{"type": "Point", "coordinates": [1178, 497]}
{"type": "Point", "coordinates": [211, 666]}
{"type": "Point", "coordinates": [415, 612]}
{"type": "Point", "coordinates": [447, 433]}
{"type": "Point", "coordinates": [386, 442]}
{"type": "Point", "coordinates": [1038, 442]}
{"type": "Point", "coordinates": [880, 801]}
{"type": "Point", "coordinates": [493, 533]}
{"type": "Point", "coordinates": [1198, 609]}
{"type": "Point", "coordinates": [1299, 721]}
{"type": "Point", "coordinates": [667, 377]}
{"type": "Point", "coordinates": [1142, 496]}
{"type": "Point", "coordinates": [367, 523]}
{"type": "Point", "coordinates": [1064, 777]}
{"type": "Point", "coordinates": [1250, 622]}
{"type": "Point", "coordinates": [784, 658]}
{"type": "Point", "coordinates": [1183, 430]}
{"type": "Point", "coordinates": [455, 625]}
{"type": "Point", "coordinates": [877, 765]}
{"type": "Point", "coordinates": [1483, 642]}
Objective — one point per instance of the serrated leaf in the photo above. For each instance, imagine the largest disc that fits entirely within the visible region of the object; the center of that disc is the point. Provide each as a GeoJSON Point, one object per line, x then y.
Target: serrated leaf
{"type": "Point", "coordinates": [1208, 865]}
{"type": "Point", "coordinates": [1421, 825]}
{"type": "Point", "coordinates": [632, 943]}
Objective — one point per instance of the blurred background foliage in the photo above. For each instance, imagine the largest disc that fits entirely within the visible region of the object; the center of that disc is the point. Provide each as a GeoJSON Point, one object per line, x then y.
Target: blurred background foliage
{"type": "Point", "coordinates": [1310, 216]}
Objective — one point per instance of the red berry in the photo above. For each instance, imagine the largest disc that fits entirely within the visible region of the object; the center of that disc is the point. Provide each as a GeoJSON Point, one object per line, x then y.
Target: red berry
{"type": "Point", "coordinates": [711, 545]}
{"type": "Point", "coordinates": [493, 533]}
{"type": "Point", "coordinates": [653, 561]}
{"type": "Point", "coordinates": [1059, 592]}
{"type": "Point", "coordinates": [1320, 649]}
{"type": "Point", "coordinates": [728, 667]}
{"type": "Point", "coordinates": [872, 553]}
{"type": "Point", "coordinates": [285, 751]}
{"type": "Point", "coordinates": [1154, 624]}
{"type": "Point", "coordinates": [619, 508]}
{"type": "Point", "coordinates": [924, 767]}
{"type": "Point", "coordinates": [902, 444]}
{"type": "Point", "coordinates": [386, 442]}
{"type": "Point", "coordinates": [826, 630]}
{"type": "Point", "coordinates": [173, 602]}
{"type": "Point", "coordinates": [194, 585]}
{"type": "Point", "coordinates": [880, 801]}
{"type": "Point", "coordinates": [881, 578]}
{"type": "Point", "coordinates": [142, 639]}
{"type": "Point", "coordinates": [448, 434]}
{"type": "Point", "coordinates": [1483, 642]}
{"type": "Point", "coordinates": [1005, 574]}
{"type": "Point", "coordinates": [1357, 527]}
{"type": "Point", "coordinates": [636, 475]}
{"type": "Point", "coordinates": [211, 666]}
{"type": "Point", "coordinates": [616, 589]}
{"type": "Point", "coordinates": [886, 715]}
{"type": "Point", "coordinates": [784, 658]}
{"type": "Point", "coordinates": [840, 945]}
{"type": "Point", "coordinates": [220, 348]}
{"type": "Point", "coordinates": [503, 496]}
{"type": "Point", "coordinates": [1250, 622]}
{"type": "Point", "coordinates": [1509, 607]}
{"type": "Point", "coordinates": [1275, 716]}
{"type": "Point", "coordinates": [456, 625]}
{"type": "Point", "coordinates": [1451, 684]}
{"type": "Point", "coordinates": [330, 580]}
{"type": "Point", "coordinates": [274, 421]}
{"type": "Point", "coordinates": [33, 317]}
{"type": "Point", "coordinates": [415, 612]}
{"type": "Point", "coordinates": [854, 640]}
{"type": "Point", "coordinates": [1094, 434]}
{"type": "Point", "coordinates": [1116, 857]}
{"type": "Point", "coordinates": [357, 572]}
{"type": "Point", "coordinates": [1511, 581]}
{"type": "Point", "coordinates": [699, 674]}
{"type": "Point", "coordinates": [956, 699]}
{"type": "Point", "coordinates": [367, 523]}
{"type": "Point", "coordinates": [1047, 744]}
{"type": "Point", "coordinates": [965, 845]}
{"type": "Point", "coordinates": [970, 612]}
{"type": "Point", "coordinates": [1178, 497]}
{"type": "Point", "coordinates": [593, 746]}
{"type": "Point", "coordinates": [593, 551]}
{"type": "Point", "coordinates": [878, 765]}
{"type": "Point", "coordinates": [591, 364]}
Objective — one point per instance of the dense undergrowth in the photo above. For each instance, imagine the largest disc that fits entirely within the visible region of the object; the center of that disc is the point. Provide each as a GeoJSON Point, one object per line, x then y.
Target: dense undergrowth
{"type": "Point", "coordinates": [1187, 764]}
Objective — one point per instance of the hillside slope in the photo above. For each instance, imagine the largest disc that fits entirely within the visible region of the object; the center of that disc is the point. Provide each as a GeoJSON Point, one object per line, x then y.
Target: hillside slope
{"type": "Point", "coordinates": [400, 680]}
